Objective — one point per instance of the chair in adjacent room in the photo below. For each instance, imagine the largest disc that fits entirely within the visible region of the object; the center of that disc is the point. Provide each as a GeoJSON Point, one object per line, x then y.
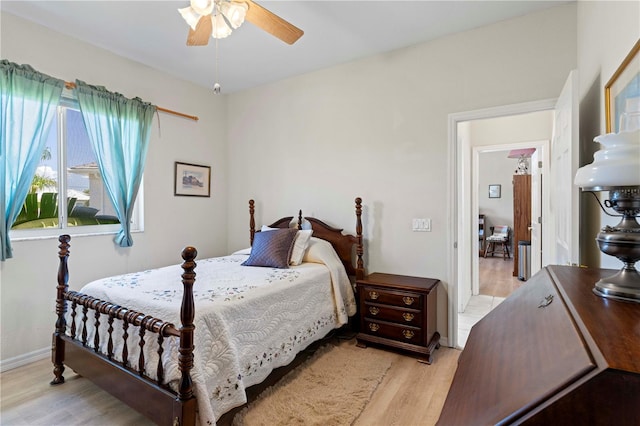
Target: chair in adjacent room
{"type": "Point", "coordinates": [499, 241]}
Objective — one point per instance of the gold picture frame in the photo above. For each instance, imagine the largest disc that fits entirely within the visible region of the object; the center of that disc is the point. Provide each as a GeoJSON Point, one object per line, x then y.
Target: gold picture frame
{"type": "Point", "coordinates": [623, 90]}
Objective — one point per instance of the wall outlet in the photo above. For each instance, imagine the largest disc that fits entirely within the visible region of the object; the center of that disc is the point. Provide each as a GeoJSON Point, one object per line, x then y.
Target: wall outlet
{"type": "Point", "coordinates": [421, 225]}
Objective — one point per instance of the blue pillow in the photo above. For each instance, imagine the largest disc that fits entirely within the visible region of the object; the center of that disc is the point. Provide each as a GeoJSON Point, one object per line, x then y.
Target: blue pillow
{"type": "Point", "coordinates": [272, 249]}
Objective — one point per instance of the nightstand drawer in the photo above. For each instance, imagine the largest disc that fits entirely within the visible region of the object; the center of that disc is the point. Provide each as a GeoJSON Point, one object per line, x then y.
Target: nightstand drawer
{"type": "Point", "coordinates": [389, 297]}
{"type": "Point", "coordinates": [397, 332]}
{"type": "Point", "coordinates": [400, 315]}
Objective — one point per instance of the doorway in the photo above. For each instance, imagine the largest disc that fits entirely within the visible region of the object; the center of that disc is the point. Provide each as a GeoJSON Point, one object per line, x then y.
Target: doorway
{"type": "Point", "coordinates": [495, 274]}
{"type": "Point", "coordinates": [464, 151]}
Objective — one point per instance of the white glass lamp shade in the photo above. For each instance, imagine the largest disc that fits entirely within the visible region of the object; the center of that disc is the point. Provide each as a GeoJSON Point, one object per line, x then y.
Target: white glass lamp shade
{"type": "Point", "coordinates": [234, 12]}
{"type": "Point", "coordinates": [616, 164]}
{"type": "Point", "coordinates": [202, 7]}
{"type": "Point", "coordinates": [190, 16]}
{"type": "Point", "coordinates": [220, 27]}
{"type": "Point", "coordinates": [225, 15]}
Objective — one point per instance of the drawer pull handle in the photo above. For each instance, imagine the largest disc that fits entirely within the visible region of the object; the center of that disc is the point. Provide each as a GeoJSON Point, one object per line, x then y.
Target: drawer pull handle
{"type": "Point", "coordinates": [408, 334]}
{"type": "Point", "coordinates": [546, 301]}
{"type": "Point", "coordinates": [373, 327]}
{"type": "Point", "coordinates": [374, 310]}
{"type": "Point", "coordinates": [408, 316]}
{"type": "Point", "coordinates": [373, 295]}
{"type": "Point", "coordinates": [408, 300]}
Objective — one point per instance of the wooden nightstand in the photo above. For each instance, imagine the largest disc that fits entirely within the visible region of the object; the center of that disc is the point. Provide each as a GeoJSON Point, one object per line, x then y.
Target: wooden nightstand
{"type": "Point", "coordinates": [399, 311]}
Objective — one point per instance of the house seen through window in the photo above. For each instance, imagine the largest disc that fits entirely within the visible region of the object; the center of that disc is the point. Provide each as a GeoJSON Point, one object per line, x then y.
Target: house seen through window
{"type": "Point", "coordinates": [67, 166]}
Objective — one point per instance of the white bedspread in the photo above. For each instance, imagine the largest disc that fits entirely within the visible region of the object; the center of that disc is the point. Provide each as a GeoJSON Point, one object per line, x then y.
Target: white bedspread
{"type": "Point", "coordinates": [249, 320]}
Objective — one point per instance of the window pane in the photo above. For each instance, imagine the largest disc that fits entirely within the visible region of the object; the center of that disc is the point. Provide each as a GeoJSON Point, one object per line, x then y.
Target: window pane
{"type": "Point", "coordinates": [40, 209]}
{"type": "Point", "coordinates": [88, 201]}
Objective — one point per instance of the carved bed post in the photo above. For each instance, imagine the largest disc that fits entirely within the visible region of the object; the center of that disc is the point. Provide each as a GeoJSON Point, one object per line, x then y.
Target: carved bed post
{"type": "Point", "coordinates": [187, 312]}
{"type": "Point", "coordinates": [300, 219]}
{"type": "Point", "coordinates": [252, 222]}
{"type": "Point", "coordinates": [57, 351]}
{"type": "Point", "coordinates": [359, 247]}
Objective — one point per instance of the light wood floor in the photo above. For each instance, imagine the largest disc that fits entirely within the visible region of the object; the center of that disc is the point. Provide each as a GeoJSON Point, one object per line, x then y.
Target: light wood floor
{"type": "Point", "coordinates": [410, 394]}
{"type": "Point", "coordinates": [496, 276]}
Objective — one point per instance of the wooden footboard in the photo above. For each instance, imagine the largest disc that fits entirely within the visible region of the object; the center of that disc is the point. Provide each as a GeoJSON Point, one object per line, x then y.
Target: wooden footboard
{"type": "Point", "coordinates": [126, 380]}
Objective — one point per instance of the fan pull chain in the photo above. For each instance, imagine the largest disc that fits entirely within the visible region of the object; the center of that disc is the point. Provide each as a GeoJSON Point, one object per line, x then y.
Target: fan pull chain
{"type": "Point", "coordinates": [216, 86]}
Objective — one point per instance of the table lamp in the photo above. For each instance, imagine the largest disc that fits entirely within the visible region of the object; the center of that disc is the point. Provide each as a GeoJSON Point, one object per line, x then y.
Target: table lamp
{"type": "Point", "coordinates": [616, 169]}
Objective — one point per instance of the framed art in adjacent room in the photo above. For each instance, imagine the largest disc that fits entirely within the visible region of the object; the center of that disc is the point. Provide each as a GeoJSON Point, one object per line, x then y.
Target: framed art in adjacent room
{"type": "Point", "coordinates": [494, 191]}
{"type": "Point", "coordinates": [622, 94]}
{"type": "Point", "coordinates": [192, 180]}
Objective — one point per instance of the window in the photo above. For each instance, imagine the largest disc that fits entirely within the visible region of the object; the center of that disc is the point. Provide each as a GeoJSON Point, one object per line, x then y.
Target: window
{"type": "Point", "coordinates": [68, 166]}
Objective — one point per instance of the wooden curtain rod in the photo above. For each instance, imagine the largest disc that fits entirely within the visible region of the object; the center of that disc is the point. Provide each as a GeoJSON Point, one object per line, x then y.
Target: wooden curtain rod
{"type": "Point", "coordinates": [70, 85]}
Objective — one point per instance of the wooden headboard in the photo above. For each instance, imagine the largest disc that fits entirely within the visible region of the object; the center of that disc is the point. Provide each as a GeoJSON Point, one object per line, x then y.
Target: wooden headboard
{"type": "Point", "coordinates": [342, 244]}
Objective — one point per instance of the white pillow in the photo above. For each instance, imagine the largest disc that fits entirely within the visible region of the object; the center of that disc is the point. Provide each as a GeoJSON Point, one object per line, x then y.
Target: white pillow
{"type": "Point", "coordinates": [246, 251]}
{"type": "Point", "coordinates": [319, 250]}
{"type": "Point", "coordinates": [300, 244]}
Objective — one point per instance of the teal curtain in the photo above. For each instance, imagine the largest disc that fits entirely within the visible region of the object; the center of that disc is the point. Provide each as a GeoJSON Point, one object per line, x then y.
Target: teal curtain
{"type": "Point", "coordinates": [119, 131]}
{"type": "Point", "coordinates": [28, 101]}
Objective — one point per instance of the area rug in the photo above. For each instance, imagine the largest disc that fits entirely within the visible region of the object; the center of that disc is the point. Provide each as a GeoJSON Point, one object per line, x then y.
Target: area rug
{"type": "Point", "coordinates": [331, 388]}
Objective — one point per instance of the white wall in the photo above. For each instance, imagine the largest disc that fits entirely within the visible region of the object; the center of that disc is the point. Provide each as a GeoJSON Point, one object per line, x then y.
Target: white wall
{"type": "Point", "coordinates": [377, 128]}
{"type": "Point", "coordinates": [607, 30]}
{"type": "Point", "coordinates": [535, 126]}
{"type": "Point", "coordinates": [29, 278]}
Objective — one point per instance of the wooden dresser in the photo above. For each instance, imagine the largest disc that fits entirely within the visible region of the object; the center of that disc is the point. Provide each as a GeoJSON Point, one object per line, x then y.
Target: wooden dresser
{"type": "Point", "coordinates": [521, 215]}
{"type": "Point", "coordinates": [399, 311]}
{"type": "Point", "coordinates": [552, 353]}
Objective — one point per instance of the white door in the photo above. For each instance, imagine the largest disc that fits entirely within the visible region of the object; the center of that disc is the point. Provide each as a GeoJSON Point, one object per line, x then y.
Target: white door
{"type": "Point", "coordinates": [465, 215]}
{"type": "Point", "coordinates": [564, 164]}
{"type": "Point", "coordinates": [536, 210]}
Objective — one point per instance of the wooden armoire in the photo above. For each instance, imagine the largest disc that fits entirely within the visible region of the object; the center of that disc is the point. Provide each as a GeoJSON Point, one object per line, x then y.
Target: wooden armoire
{"type": "Point", "coordinates": [521, 214]}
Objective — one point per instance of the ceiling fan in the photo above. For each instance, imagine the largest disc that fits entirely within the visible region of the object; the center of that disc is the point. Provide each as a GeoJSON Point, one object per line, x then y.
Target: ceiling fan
{"type": "Point", "coordinates": [217, 18]}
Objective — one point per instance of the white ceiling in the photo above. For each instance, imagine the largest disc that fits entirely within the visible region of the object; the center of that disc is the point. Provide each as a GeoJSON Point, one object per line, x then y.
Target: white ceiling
{"type": "Point", "coordinates": [153, 33]}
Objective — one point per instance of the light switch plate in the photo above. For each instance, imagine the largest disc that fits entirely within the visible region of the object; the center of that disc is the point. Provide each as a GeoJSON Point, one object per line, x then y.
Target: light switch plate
{"type": "Point", "coordinates": [421, 225]}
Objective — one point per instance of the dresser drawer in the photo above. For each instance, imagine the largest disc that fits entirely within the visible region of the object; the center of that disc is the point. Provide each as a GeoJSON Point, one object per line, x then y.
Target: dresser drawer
{"type": "Point", "coordinates": [390, 297]}
{"type": "Point", "coordinates": [401, 333]}
{"type": "Point", "coordinates": [406, 316]}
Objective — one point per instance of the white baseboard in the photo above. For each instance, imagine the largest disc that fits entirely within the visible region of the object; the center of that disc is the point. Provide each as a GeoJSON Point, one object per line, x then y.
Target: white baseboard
{"type": "Point", "coordinates": [444, 342]}
{"type": "Point", "coordinates": [28, 358]}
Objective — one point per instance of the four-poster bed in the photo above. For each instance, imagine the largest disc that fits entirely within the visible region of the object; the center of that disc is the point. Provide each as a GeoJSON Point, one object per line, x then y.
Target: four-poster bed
{"type": "Point", "coordinates": [163, 370]}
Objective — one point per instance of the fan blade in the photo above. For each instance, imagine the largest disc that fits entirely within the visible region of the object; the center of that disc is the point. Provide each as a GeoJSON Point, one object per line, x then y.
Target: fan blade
{"type": "Point", "coordinates": [200, 37]}
{"type": "Point", "coordinates": [272, 23]}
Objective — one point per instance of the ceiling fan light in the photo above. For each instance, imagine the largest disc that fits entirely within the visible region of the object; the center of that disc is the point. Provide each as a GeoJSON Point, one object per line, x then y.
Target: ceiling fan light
{"type": "Point", "coordinates": [190, 16]}
{"type": "Point", "coordinates": [203, 7]}
{"type": "Point", "coordinates": [234, 12]}
{"type": "Point", "coordinates": [220, 27]}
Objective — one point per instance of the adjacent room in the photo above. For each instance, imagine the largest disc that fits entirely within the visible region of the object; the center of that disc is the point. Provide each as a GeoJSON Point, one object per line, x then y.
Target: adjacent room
{"type": "Point", "coordinates": [312, 212]}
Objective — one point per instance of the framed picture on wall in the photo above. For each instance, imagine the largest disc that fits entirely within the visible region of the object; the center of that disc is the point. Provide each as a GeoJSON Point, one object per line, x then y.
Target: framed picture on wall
{"type": "Point", "coordinates": [622, 94]}
{"type": "Point", "coordinates": [192, 180]}
{"type": "Point", "coordinates": [494, 191]}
